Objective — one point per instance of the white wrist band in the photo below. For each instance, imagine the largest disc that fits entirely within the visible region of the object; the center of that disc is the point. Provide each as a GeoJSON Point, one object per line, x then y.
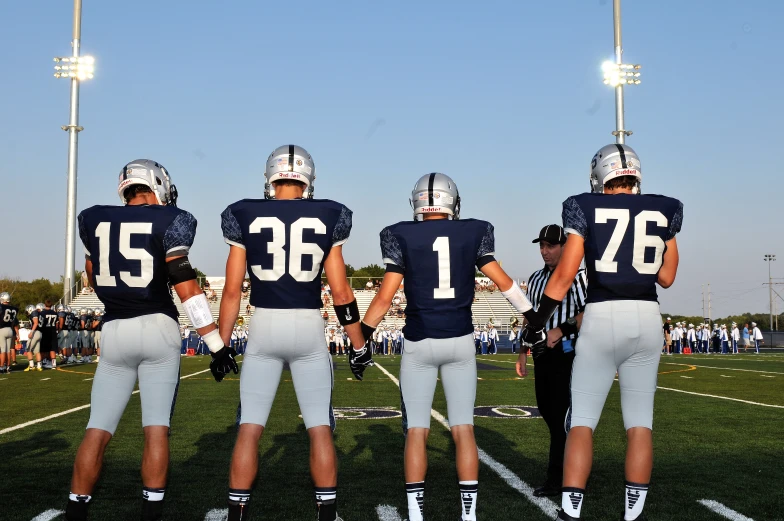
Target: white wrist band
{"type": "Point", "coordinates": [517, 298]}
{"type": "Point", "coordinates": [213, 341]}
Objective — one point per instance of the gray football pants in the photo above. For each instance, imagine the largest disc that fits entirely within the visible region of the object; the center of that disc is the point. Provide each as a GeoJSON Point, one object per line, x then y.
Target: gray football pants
{"type": "Point", "coordinates": [7, 336]}
{"type": "Point", "coordinates": [456, 358]}
{"type": "Point", "coordinates": [296, 337]}
{"type": "Point", "coordinates": [147, 347]}
{"type": "Point", "coordinates": [623, 336]}
{"type": "Point", "coordinates": [34, 344]}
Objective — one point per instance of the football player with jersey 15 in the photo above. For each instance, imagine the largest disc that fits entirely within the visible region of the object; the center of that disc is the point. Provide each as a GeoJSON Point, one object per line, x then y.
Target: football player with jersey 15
{"type": "Point", "coordinates": [9, 332]}
{"type": "Point", "coordinates": [285, 241]}
{"type": "Point", "coordinates": [134, 254]}
{"type": "Point", "coordinates": [438, 253]}
{"type": "Point", "coordinates": [628, 241]}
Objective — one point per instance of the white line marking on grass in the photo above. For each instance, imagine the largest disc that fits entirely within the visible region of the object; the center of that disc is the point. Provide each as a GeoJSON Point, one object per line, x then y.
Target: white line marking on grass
{"type": "Point", "coordinates": [723, 511]}
{"type": "Point", "coordinates": [45, 379]}
{"type": "Point", "coordinates": [545, 505]}
{"type": "Point", "coordinates": [714, 396]}
{"type": "Point", "coordinates": [767, 376]}
{"type": "Point", "coordinates": [727, 368]}
{"type": "Point", "coordinates": [387, 513]}
{"type": "Point", "coordinates": [48, 515]}
{"type": "Point", "coordinates": [725, 376]}
{"type": "Point", "coordinates": [69, 411]}
{"type": "Point", "coordinates": [87, 379]}
{"type": "Point", "coordinates": [689, 377]}
{"type": "Point", "coordinates": [217, 514]}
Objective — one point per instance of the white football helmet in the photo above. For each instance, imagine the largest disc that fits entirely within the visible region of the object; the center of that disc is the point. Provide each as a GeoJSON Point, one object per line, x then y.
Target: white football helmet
{"type": "Point", "coordinates": [97, 312]}
{"type": "Point", "coordinates": [5, 297]}
{"type": "Point", "coordinates": [289, 162]}
{"type": "Point", "coordinates": [613, 161]}
{"type": "Point", "coordinates": [435, 193]}
{"type": "Point", "coordinates": [83, 311]}
{"type": "Point", "coordinates": [29, 309]}
{"type": "Point", "coordinates": [60, 308]}
{"type": "Point", "coordinates": [151, 174]}
{"type": "Point", "coordinates": [39, 306]}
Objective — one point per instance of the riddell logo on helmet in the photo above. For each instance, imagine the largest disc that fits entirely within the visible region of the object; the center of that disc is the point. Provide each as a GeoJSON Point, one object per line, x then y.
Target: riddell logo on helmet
{"type": "Point", "coordinates": [431, 209]}
{"type": "Point", "coordinates": [127, 182]}
{"type": "Point", "coordinates": [628, 171]}
{"type": "Point", "coordinates": [288, 175]}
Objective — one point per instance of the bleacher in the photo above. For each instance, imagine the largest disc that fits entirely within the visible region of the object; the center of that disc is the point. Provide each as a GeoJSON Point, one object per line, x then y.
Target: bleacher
{"type": "Point", "coordinates": [487, 306]}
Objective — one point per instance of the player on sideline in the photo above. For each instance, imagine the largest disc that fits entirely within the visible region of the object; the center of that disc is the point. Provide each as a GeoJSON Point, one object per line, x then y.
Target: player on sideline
{"type": "Point", "coordinates": [284, 241]}
{"type": "Point", "coordinates": [9, 331]}
{"type": "Point", "coordinates": [629, 245]}
{"type": "Point", "coordinates": [34, 337]}
{"type": "Point", "coordinates": [438, 254]}
{"type": "Point", "coordinates": [47, 322]}
{"type": "Point", "coordinates": [133, 252]}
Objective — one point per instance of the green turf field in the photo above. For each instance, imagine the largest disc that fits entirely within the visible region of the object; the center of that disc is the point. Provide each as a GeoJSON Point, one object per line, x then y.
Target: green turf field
{"type": "Point", "coordinates": [721, 443]}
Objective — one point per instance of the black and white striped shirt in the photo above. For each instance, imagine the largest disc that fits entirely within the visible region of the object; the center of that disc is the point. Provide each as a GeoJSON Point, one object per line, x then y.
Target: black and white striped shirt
{"type": "Point", "coordinates": [573, 303]}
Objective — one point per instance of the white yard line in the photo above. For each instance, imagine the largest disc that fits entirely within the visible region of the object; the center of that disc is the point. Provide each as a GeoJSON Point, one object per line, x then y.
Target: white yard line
{"type": "Point", "coordinates": [767, 376]}
{"type": "Point", "coordinates": [69, 411]}
{"type": "Point", "coordinates": [725, 376]}
{"type": "Point", "coordinates": [48, 515]}
{"type": "Point", "coordinates": [726, 368]}
{"type": "Point", "coordinates": [546, 505]}
{"type": "Point", "coordinates": [217, 514]}
{"type": "Point", "coordinates": [386, 513]}
{"type": "Point", "coordinates": [45, 379]}
{"type": "Point", "coordinates": [722, 398]}
{"type": "Point", "coordinates": [723, 511]}
{"type": "Point", "coordinates": [689, 377]}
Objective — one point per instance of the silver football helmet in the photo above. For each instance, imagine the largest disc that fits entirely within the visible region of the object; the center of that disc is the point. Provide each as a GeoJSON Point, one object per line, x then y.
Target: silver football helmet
{"type": "Point", "coordinates": [83, 311]}
{"type": "Point", "coordinates": [151, 174]}
{"type": "Point", "coordinates": [97, 312]}
{"type": "Point", "coordinates": [289, 162]}
{"type": "Point", "coordinates": [435, 193]}
{"type": "Point", "coordinates": [613, 161]}
{"type": "Point", "coordinates": [39, 306]}
{"type": "Point", "coordinates": [29, 309]}
{"type": "Point", "coordinates": [5, 297]}
{"type": "Point", "coordinates": [60, 308]}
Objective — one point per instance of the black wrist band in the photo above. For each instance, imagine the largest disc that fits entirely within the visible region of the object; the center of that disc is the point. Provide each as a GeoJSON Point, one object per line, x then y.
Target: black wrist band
{"type": "Point", "coordinates": [537, 319]}
{"type": "Point", "coordinates": [367, 331]}
{"type": "Point", "coordinates": [347, 313]}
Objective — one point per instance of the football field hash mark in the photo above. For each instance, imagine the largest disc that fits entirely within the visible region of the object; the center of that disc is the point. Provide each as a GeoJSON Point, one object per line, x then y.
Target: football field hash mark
{"type": "Point", "coordinates": [387, 513]}
{"type": "Point", "coordinates": [217, 514]}
{"type": "Point", "coordinates": [723, 511]}
{"type": "Point", "coordinates": [48, 515]}
{"type": "Point", "coordinates": [545, 505]}
{"type": "Point", "coordinates": [45, 379]}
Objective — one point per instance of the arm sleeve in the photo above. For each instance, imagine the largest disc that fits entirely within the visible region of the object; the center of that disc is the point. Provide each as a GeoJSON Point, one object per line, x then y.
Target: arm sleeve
{"type": "Point", "coordinates": [232, 233]}
{"type": "Point", "coordinates": [180, 234]}
{"type": "Point", "coordinates": [574, 218]}
{"type": "Point", "coordinates": [83, 234]}
{"type": "Point", "coordinates": [342, 228]}
{"type": "Point", "coordinates": [486, 252]}
{"type": "Point", "coordinates": [676, 222]}
{"type": "Point", "coordinates": [391, 251]}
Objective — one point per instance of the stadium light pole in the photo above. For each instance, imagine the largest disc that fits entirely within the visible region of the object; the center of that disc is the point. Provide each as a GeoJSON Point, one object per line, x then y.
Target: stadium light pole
{"type": "Point", "coordinates": [618, 74]}
{"type": "Point", "coordinates": [76, 69]}
{"type": "Point", "coordinates": [769, 258]}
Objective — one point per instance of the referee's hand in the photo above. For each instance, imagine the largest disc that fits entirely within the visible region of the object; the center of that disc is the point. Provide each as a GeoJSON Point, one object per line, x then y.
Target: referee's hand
{"type": "Point", "coordinates": [520, 365]}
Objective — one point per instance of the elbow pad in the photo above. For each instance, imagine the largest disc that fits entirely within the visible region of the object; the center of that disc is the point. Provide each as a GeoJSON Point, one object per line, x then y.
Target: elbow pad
{"type": "Point", "coordinates": [517, 298]}
{"type": "Point", "coordinates": [180, 270]}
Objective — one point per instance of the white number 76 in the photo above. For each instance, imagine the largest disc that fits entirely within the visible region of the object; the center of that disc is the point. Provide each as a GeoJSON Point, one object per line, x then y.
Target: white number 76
{"type": "Point", "coordinates": [642, 240]}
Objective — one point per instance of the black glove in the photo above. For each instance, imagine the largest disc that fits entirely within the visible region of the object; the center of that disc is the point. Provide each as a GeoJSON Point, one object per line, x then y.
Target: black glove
{"type": "Point", "coordinates": [359, 360]}
{"type": "Point", "coordinates": [223, 363]}
{"type": "Point", "coordinates": [532, 337]}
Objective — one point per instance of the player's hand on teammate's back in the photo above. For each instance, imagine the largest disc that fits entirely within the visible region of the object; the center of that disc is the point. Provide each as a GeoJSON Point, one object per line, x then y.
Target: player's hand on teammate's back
{"type": "Point", "coordinates": [223, 363]}
{"type": "Point", "coordinates": [359, 360]}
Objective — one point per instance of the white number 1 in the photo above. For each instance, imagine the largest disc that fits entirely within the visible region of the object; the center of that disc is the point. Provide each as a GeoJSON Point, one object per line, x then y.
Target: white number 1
{"type": "Point", "coordinates": [444, 289]}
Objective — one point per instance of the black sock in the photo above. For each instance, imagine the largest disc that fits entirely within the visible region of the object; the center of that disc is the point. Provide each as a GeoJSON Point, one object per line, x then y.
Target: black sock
{"type": "Point", "coordinates": [239, 501]}
{"type": "Point", "coordinates": [77, 507]}
{"type": "Point", "coordinates": [326, 503]}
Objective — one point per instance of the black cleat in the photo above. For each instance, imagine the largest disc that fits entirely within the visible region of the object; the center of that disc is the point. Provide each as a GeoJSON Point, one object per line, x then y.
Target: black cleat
{"type": "Point", "coordinates": [238, 512]}
{"type": "Point", "coordinates": [76, 511]}
{"type": "Point", "coordinates": [548, 489]}
{"type": "Point", "coordinates": [563, 516]}
{"type": "Point", "coordinates": [152, 510]}
{"type": "Point", "coordinates": [641, 517]}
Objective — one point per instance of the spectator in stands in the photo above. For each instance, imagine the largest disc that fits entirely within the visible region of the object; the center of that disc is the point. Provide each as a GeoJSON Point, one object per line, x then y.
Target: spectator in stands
{"type": "Point", "coordinates": [325, 316]}
{"type": "Point", "coordinates": [369, 285]}
{"type": "Point", "coordinates": [245, 289]}
{"type": "Point", "coordinates": [247, 310]}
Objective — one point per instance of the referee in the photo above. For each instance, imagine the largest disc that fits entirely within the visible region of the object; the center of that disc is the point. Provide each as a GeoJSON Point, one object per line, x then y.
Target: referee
{"type": "Point", "coordinates": [553, 361]}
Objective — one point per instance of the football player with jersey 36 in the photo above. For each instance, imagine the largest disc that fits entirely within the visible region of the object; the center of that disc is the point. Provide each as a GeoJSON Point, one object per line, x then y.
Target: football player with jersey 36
{"type": "Point", "coordinates": [438, 253]}
{"type": "Point", "coordinates": [133, 254]}
{"type": "Point", "coordinates": [285, 241]}
{"type": "Point", "coordinates": [628, 241]}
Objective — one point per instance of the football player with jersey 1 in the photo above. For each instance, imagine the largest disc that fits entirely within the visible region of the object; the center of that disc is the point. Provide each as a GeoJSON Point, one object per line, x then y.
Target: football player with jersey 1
{"type": "Point", "coordinates": [285, 241]}
{"type": "Point", "coordinates": [9, 331]}
{"type": "Point", "coordinates": [133, 254]}
{"type": "Point", "coordinates": [628, 241]}
{"type": "Point", "coordinates": [438, 253]}
{"type": "Point", "coordinates": [34, 338]}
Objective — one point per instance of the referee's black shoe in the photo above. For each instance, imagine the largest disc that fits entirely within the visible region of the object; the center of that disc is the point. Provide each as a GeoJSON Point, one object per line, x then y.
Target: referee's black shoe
{"type": "Point", "coordinates": [550, 488]}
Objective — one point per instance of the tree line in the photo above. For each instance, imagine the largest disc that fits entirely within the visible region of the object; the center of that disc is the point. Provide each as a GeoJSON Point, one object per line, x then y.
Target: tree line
{"type": "Point", "coordinates": [24, 293]}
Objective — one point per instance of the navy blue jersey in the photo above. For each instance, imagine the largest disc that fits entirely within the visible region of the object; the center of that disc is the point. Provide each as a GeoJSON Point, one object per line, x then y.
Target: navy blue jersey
{"type": "Point", "coordinates": [97, 323]}
{"type": "Point", "coordinates": [625, 238]}
{"type": "Point", "coordinates": [85, 322]}
{"type": "Point", "coordinates": [128, 246]}
{"type": "Point", "coordinates": [33, 315]}
{"type": "Point", "coordinates": [47, 320]}
{"type": "Point", "coordinates": [70, 321]}
{"type": "Point", "coordinates": [286, 243]}
{"type": "Point", "coordinates": [64, 316]}
{"type": "Point", "coordinates": [7, 315]}
{"type": "Point", "coordinates": [438, 259]}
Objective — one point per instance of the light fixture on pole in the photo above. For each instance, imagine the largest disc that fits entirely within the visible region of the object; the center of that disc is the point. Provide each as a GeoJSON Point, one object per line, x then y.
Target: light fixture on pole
{"type": "Point", "coordinates": [769, 258]}
{"type": "Point", "coordinates": [76, 69]}
{"type": "Point", "coordinates": [618, 75]}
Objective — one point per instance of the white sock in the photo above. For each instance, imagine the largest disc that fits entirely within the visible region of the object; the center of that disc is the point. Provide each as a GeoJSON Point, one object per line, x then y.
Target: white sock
{"type": "Point", "coordinates": [54, 363]}
{"type": "Point", "coordinates": [32, 364]}
{"type": "Point", "coordinates": [572, 500]}
{"type": "Point", "coordinates": [39, 364]}
{"type": "Point", "coordinates": [635, 500]}
{"type": "Point", "coordinates": [415, 492]}
{"type": "Point", "coordinates": [153, 494]}
{"type": "Point", "coordinates": [468, 493]}
{"type": "Point", "coordinates": [79, 498]}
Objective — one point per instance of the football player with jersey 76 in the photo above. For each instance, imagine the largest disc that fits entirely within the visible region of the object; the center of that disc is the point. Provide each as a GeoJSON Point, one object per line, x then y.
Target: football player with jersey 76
{"type": "Point", "coordinates": [134, 254]}
{"type": "Point", "coordinates": [438, 254]}
{"type": "Point", "coordinates": [628, 241]}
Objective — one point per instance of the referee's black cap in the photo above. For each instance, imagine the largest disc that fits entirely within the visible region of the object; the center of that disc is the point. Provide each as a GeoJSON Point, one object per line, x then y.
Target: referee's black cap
{"type": "Point", "coordinates": [551, 233]}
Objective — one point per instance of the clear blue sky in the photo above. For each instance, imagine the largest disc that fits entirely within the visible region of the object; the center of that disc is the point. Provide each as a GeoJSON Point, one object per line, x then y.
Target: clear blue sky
{"type": "Point", "coordinates": [505, 97]}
